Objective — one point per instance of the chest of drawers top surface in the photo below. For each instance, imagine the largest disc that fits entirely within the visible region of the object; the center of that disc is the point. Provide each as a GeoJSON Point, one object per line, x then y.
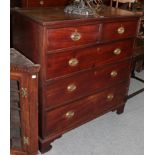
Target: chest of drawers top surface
{"type": "Point", "coordinates": [56, 15]}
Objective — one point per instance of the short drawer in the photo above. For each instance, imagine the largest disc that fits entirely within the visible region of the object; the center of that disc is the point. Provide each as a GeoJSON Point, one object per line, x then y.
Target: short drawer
{"type": "Point", "coordinates": [40, 3]}
{"type": "Point", "coordinates": [71, 36]}
{"type": "Point", "coordinates": [63, 63]}
{"type": "Point", "coordinates": [119, 30]}
{"type": "Point", "coordinates": [81, 111]}
{"type": "Point", "coordinates": [71, 88]}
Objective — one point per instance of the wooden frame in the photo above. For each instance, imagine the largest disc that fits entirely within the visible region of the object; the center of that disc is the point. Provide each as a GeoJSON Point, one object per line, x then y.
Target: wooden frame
{"type": "Point", "coordinates": [27, 77]}
{"type": "Point", "coordinates": [122, 1]}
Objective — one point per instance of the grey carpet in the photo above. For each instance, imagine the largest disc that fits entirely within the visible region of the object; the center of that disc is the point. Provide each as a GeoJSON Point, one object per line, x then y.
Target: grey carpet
{"type": "Point", "coordinates": [110, 134]}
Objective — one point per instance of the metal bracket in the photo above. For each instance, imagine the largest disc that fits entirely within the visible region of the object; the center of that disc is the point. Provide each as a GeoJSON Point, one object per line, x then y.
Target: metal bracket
{"type": "Point", "coordinates": [26, 140]}
{"type": "Point", "coordinates": [24, 92]}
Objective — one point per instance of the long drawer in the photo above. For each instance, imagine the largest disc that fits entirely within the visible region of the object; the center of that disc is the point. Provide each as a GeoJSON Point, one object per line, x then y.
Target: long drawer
{"type": "Point", "coordinates": [63, 63]}
{"type": "Point", "coordinates": [71, 36]}
{"type": "Point", "coordinates": [68, 89]}
{"type": "Point", "coordinates": [81, 111]}
{"type": "Point", "coordinates": [119, 30]}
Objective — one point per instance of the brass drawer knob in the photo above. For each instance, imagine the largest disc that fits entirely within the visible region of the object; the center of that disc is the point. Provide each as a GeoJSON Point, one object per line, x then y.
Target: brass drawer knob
{"type": "Point", "coordinates": [121, 30]}
{"type": "Point", "coordinates": [69, 114]}
{"type": "Point", "coordinates": [41, 2]}
{"type": "Point", "coordinates": [75, 36]}
{"type": "Point", "coordinates": [110, 97]}
{"type": "Point", "coordinates": [113, 73]}
{"type": "Point", "coordinates": [71, 87]}
{"type": "Point", "coordinates": [73, 62]}
{"type": "Point", "coordinates": [117, 51]}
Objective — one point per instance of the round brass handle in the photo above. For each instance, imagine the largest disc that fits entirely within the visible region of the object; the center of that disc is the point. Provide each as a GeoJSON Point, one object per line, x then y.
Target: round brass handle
{"type": "Point", "coordinates": [73, 62]}
{"type": "Point", "coordinates": [75, 36]}
{"type": "Point", "coordinates": [113, 73]}
{"type": "Point", "coordinates": [121, 30]}
{"type": "Point", "coordinates": [69, 114]}
{"type": "Point", "coordinates": [71, 87]}
{"type": "Point", "coordinates": [110, 97]}
{"type": "Point", "coordinates": [117, 51]}
{"type": "Point", "coordinates": [41, 2]}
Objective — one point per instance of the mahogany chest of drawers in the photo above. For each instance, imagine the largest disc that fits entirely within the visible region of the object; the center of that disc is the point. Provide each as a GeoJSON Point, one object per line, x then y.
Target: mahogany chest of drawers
{"type": "Point", "coordinates": [85, 64]}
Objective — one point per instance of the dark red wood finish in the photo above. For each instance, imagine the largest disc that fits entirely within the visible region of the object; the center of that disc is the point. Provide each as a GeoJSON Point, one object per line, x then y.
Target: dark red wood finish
{"type": "Point", "coordinates": [84, 110]}
{"type": "Point", "coordinates": [26, 73]}
{"type": "Point", "coordinates": [17, 152]}
{"type": "Point", "coordinates": [44, 36]}
{"type": "Point", "coordinates": [99, 79]}
{"type": "Point", "coordinates": [58, 62]}
{"type": "Point", "coordinates": [110, 30]}
{"type": "Point", "coordinates": [61, 38]}
{"type": "Point", "coordinates": [45, 3]}
{"type": "Point", "coordinates": [38, 3]}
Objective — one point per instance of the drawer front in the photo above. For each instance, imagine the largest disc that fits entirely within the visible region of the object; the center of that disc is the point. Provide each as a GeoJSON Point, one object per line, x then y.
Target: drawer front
{"type": "Point", "coordinates": [44, 3]}
{"type": "Point", "coordinates": [119, 30]}
{"type": "Point", "coordinates": [71, 36]}
{"type": "Point", "coordinates": [81, 111]}
{"type": "Point", "coordinates": [84, 84]}
{"type": "Point", "coordinates": [59, 64]}
{"type": "Point", "coordinates": [38, 3]}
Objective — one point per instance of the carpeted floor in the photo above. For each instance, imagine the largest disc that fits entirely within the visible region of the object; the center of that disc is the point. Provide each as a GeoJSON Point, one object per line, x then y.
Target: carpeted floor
{"type": "Point", "coordinates": [110, 134]}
